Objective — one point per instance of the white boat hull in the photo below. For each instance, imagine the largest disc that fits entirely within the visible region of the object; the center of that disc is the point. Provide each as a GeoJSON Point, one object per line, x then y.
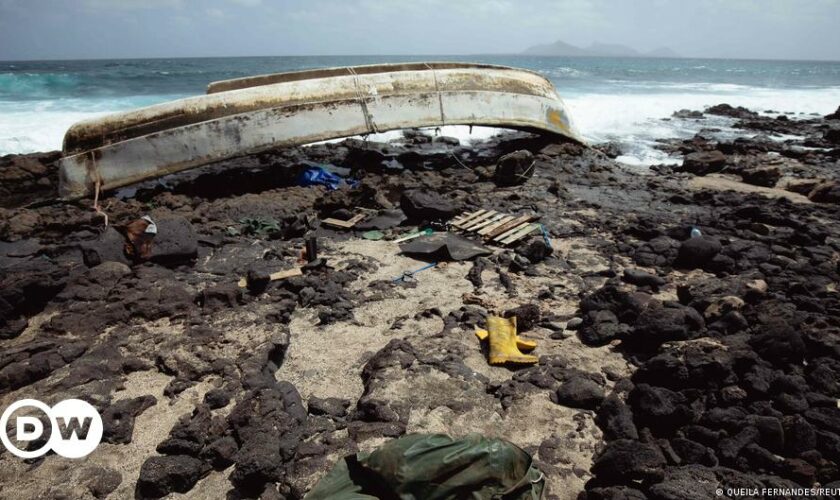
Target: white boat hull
{"type": "Point", "coordinates": [255, 116]}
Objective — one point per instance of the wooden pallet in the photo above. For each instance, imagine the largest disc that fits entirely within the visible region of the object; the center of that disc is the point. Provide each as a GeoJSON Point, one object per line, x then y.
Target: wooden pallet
{"type": "Point", "coordinates": [496, 227]}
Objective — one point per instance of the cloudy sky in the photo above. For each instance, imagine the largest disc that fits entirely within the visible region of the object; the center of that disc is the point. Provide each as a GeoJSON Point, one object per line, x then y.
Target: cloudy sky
{"type": "Point", "coordinates": [74, 29]}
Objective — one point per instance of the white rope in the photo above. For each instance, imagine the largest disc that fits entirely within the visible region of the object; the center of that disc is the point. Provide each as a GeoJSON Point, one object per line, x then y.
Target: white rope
{"type": "Point", "coordinates": [439, 94]}
{"type": "Point", "coordinates": [371, 126]}
{"type": "Point", "coordinates": [97, 184]}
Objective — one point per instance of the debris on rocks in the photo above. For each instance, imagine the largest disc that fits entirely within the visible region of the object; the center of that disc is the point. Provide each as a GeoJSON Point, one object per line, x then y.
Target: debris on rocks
{"type": "Point", "coordinates": [408, 276]}
{"type": "Point", "coordinates": [504, 344]}
{"type": "Point", "coordinates": [416, 234]}
{"type": "Point", "coordinates": [257, 279]}
{"type": "Point", "coordinates": [685, 319]}
{"type": "Point", "coordinates": [435, 466]}
{"type": "Point", "coordinates": [444, 247]}
{"type": "Point", "coordinates": [344, 224]}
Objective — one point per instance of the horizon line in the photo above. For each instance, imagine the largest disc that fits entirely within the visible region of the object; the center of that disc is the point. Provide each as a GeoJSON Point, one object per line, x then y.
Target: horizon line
{"type": "Point", "coordinates": [487, 54]}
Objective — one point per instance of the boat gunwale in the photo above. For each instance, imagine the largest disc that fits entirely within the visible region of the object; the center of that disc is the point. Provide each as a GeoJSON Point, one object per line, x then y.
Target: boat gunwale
{"type": "Point", "coordinates": [93, 133]}
{"type": "Point", "coordinates": [361, 70]}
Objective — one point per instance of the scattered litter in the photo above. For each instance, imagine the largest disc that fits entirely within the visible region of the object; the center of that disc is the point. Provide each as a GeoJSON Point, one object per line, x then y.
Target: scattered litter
{"type": "Point", "coordinates": [346, 224]}
{"type": "Point", "coordinates": [257, 280]}
{"type": "Point", "coordinates": [259, 226]}
{"type": "Point", "coordinates": [517, 234]}
{"type": "Point", "coordinates": [374, 235]}
{"type": "Point", "coordinates": [495, 226]}
{"type": "Point", "coordinates": [695, 232]}
{"type": "Point", "coordinates": [435, 466]}
{"type": "Point", "coordinates": [546, 237]}
{"type": "Point", "coordinates": [319, 176]}
{"type": "Point", "coordinates": [140, 233]}
{"type": "Point", "coordinates": [385, 219]}
{"type": "Point", "coordinates": [445, 246]}
{"type": "Point", "coordinates": [425, 232]}
{"type": "Point", "coordinates": [311, 251]}
{"type": "Point", "coordinates": [505, 346]}
{"type": "Point", "coordinates": [409, 275]}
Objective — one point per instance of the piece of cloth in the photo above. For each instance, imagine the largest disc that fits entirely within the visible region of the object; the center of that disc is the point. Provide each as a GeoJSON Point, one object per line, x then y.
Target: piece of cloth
{"type": "Point", "coordinates": [434, 467]}
{"type": "Point", "coordinates": [373, 235]}
{"type": "Point", "coordinates": [385, 219]}
{"type": "Point", "coordinates": [319, 176]}
{"type": "Point", "coordinates": [443, 247]}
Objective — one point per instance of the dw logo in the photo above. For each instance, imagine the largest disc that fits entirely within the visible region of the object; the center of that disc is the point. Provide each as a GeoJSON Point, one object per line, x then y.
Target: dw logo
{"type": "Point", "coordinates": [75, 428]}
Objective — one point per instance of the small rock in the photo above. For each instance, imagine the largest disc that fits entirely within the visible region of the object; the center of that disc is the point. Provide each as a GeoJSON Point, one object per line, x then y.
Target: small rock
{"type": "Point", "coordinates": [762, 176]}
{"type": "Point", "coordinates": [574, 323]}
{"type": "Point", "coordinates": [626, 460]}
{"type": "Point", "coordinates": [704, 162]}
{"type": "Point", "coordinates": [696, 252]}
{"type": "Point", "coordinates": [217, 398]}
{"type": "Point", "coordinates": [333, 407]}
{"type": "Point", "coordinates": [580, 392]}
{"type": "Point", "coordinates": [162, 475]}
{"type": "Point", "coordinates": [642, 278]}
{"type": "Point", "coordinates": [428, 206]}
{"type": "Point", "coordinates": [527, 316]}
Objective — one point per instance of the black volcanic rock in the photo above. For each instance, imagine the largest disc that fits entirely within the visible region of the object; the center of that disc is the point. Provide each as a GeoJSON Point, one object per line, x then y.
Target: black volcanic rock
{"type": "Point", "coordinates": [705, 162]}
{"type": "Point", "coordinates": [422, 205]}
{"type": "Point", "coordinates": [730, 111]}
{"type": "Point", "coordinates": [697, 252]}
{"type": "Point", "coordinates": [162, 475]}
{"type": "Point", "coordinates": [580, 392]}
{"type": "Point", "coordinates": [626, 460]}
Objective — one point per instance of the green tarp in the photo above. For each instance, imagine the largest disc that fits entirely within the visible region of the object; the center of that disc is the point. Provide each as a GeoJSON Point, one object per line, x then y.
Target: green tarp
{"type": "Point", "coordinates": [434, 467]}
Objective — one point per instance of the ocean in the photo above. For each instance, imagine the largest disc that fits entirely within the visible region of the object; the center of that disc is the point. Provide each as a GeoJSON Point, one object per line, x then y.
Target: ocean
{"type": "Point", "coordinates": [610, 99]}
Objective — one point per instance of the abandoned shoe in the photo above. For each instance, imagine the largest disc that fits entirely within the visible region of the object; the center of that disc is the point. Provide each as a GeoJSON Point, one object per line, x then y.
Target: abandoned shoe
{"type": "Point", "coordinates": [501, 335]}
{"type": "Point", "coordinates": [521, 344]}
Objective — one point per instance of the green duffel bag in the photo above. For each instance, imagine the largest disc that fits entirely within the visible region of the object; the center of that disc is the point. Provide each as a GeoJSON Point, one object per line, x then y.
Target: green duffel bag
{"type": "Point", "coordinates": [434, 467]}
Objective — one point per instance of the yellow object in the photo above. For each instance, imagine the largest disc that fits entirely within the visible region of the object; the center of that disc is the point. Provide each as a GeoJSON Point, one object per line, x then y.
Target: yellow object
{"type": "Point", "coordinates": [505, 344]}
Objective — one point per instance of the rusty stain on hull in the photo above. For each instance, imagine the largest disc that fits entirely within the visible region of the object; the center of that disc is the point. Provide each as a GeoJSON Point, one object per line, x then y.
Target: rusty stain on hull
{"type": "Point", "coordinates": [249, 115]}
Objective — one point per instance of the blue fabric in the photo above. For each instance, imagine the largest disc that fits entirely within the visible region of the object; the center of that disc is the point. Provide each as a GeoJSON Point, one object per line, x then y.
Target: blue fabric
{"type": "Point", "coordinates": [318, 176]}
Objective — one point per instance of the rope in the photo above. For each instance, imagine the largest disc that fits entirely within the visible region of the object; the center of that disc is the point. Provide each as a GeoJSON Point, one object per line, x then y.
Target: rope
{"type": "Point", "coordinates": [439, 94]}
{"type": "Point", "coordinates": [371, 126]}
{"type": "Point", "coordinates": [524, 175]}
{"type": "Point", "coordinates": [97, 185]}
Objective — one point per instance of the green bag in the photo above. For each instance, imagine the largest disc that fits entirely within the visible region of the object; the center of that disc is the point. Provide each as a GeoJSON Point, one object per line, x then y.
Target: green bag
{"type": "Point", "coordinates": [434, 467]}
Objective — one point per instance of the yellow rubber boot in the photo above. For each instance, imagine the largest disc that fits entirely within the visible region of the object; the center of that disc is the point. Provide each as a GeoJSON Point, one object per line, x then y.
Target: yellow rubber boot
{"type": "Point", "coordinates": [521, 344]}
{"type": "Point", "coordinates": [502, 339]}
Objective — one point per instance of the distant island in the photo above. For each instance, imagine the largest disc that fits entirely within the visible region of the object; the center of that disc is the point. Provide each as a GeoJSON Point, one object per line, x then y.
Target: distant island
{"type": "Point", "coordinates": [561, 48]}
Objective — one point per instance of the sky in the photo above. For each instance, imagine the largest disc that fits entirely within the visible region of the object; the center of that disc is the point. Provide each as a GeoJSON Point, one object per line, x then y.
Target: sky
{"type": "Point", "coordinates": [93, 29]}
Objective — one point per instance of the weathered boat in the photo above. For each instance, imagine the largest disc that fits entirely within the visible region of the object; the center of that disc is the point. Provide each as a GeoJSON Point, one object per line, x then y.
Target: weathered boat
{"type": "Point", "coordinates": [249, 115]}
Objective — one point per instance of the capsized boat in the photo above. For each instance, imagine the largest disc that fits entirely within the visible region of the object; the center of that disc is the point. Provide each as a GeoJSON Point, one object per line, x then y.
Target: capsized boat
{"type": "Point", "coordinates": [250, 115]}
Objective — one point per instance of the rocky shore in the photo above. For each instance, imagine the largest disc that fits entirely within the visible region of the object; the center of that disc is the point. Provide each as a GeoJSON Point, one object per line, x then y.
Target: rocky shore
{"type": "Point", "coordinates": [687, 317]}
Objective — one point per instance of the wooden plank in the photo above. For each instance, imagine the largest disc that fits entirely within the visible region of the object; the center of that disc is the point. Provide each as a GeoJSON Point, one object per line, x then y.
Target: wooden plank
{"type": "Point", "coordinates": [521, 233]}
{"type": "Point", "coordinates": [288, 273]}
{"type": "Point", "coordinates": [279, 275]}
{"type": "Point", "coordinates": [463, 217]}
{"type": "Point", "coordinates": [467, 222]}
{"type": "Point", "coordinates": [461, 220]}
{"type": "Point", "coordinates": [469, 225]}
{"type": "Point", "coordinates": [492, 220]}
{"type": "Point", "coordinates": [346, 224]}
{"type": "Point", "coordinates": [501, 230]}
{"type": "Point", "coordinates": [498, 223]}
